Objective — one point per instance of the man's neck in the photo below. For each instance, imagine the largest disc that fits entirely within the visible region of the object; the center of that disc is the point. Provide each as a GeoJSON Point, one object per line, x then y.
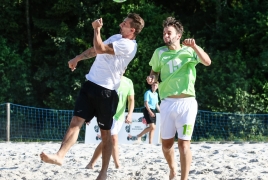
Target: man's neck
{"type": "Point", "coordinates": [130, 37]}
{"type": "Point", "coordinates": [176, 46]}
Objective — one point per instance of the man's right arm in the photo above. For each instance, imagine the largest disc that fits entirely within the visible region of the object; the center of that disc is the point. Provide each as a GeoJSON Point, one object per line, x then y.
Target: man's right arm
{"type": "Point", "coordinates": [89, 53]}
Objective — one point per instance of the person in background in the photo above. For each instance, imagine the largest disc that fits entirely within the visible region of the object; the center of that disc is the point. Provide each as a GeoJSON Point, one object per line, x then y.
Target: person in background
{"type": "Point", "coordinates": [125, 93]}
{"type": "Point", "coordinates": [176, 65]}
{"type": "Point", "coordinates": [149, 112]}
{"type": "Point", "coordinates": [98, 96]}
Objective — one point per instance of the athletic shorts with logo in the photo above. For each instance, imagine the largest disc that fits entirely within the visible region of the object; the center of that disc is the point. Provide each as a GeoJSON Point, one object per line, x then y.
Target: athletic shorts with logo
{"type": "Point", "coordinates": [94, 100]}
{"type": "Point", "coordinates": [178, 114]}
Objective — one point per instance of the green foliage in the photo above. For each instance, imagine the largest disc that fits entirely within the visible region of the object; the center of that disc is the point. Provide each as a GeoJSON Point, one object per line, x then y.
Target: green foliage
{"type": "Point", "coordinates": [234, 33]}
{"type": "Point", "coordinates": [230, 84]}
{"type": "Point", "coordinates": [230, 127]}
{"type": "Point", "coordinates": [62, 93]}
{"type": "Point", "coordinates": [15, 74]}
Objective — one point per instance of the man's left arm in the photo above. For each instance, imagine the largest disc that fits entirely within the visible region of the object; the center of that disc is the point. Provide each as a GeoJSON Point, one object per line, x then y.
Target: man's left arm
{"type": "Point", "coordinates": [131, 103]}
{"type": "Point", "coordinates": [203, 56]}
{"type": "Point", "coordinates": [99, 46]}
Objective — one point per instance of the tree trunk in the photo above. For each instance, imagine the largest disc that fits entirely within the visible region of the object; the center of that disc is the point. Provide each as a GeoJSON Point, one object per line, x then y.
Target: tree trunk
{"type": "Point", "coordinates": [28, 26]}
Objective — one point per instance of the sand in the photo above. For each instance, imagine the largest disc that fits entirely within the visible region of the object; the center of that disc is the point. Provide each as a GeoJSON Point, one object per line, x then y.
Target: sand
{"type": "Point", "coordinates": [138, 162]}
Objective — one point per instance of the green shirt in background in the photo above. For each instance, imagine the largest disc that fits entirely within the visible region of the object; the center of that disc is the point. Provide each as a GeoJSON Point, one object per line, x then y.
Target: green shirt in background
{"type": "Point", "coordinates": [177, 70]}
{"type": "Point", "coordinates": [125, 89]}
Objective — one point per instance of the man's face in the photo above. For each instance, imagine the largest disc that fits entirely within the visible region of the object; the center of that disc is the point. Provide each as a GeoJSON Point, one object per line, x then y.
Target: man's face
{"type": "Point", "coordinates": [170, 35]}
{"type": "Point", "coordinates": [125, 27]}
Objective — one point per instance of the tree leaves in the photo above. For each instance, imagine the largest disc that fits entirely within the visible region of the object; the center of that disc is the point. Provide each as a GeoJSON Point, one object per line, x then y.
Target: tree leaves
{"type": "Point", "coordinates": [234, 33]}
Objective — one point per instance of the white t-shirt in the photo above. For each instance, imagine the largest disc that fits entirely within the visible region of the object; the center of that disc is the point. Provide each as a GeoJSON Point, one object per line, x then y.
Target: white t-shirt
{"type": "Point", "coordinates": [107, 69]}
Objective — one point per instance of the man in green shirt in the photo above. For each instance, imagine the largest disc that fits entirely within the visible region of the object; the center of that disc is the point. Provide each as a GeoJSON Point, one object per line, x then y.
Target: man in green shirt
{"type": "Point", "coordinates": [125, 93]}
{"type": "Point", "coordinates": [176, 65]}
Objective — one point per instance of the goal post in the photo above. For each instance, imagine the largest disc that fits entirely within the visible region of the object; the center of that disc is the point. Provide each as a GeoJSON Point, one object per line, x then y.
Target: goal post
{"type": "Point", "coordinates": [8, 123]}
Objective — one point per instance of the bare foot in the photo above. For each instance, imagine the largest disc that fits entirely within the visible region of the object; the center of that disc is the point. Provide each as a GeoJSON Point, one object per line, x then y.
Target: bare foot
{"type": "Point", "coordinates": [172, 175]}
{"type": "Point", "coordinates": [102, 176]}
{"type": "Point", "coordinates": [138, 141]}
{"type": "Point", "coordinates": [51, 158]}
{"type": "Point", "coordinates": [90, 166]}
{"type": "Point", "coordinates": [117, 166]}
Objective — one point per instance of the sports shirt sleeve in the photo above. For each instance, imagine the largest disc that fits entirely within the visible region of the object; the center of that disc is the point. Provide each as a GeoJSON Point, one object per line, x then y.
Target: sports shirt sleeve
{"type": "Point", "coordinates": [107, 41]}
{"type": "Point", "coordinates": [146, 96]}
{"type": "Point", "coordinates": [123, 46]}
{"type": "Point", "coordinates": [155, 61]}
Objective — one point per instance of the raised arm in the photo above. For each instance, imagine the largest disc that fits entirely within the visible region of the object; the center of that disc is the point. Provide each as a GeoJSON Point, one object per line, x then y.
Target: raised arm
{"type": "Point", "coordinates": [89, 53]}
{"type": "Point", "coordinates": [203, 56]}
{"type": "Point", "coordinates": [99, 46]}
{"type": "Point", "coordinates": [205, 59]}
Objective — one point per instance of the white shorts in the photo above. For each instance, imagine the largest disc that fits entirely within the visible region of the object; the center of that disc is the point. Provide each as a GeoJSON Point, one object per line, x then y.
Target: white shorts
{"type": "Point", "coordinates": [116, 127]}
{"type": "Point", "coordinates": [178, 114]}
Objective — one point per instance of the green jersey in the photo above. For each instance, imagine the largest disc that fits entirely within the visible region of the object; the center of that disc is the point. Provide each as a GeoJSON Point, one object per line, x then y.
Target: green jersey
{"type": "Point", "coordinates": [125, 89]}
{"type": "Point", "coordinates": [177, 70]}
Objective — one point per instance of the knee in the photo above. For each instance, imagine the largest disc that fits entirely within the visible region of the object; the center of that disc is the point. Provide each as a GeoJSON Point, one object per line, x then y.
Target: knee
{"type": "Point", "coordinates": [152, 127]}
{"type": "Point", "coordinates": [184, 146]}
{"type": "Point", "coordinates": [106, 135]}
{"type": "Point", "coordinates": [77, 122]}
{"type": "Point", "coordinates": [114, 139]}
{"type": "Point", "coordinates": [167, 146]}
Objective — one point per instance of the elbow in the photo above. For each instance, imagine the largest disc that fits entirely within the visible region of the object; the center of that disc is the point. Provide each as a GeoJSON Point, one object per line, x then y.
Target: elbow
{"type": "Point", "coordinates": [99, 49]}
{"type": "Point", "coordinates": [207, 62]}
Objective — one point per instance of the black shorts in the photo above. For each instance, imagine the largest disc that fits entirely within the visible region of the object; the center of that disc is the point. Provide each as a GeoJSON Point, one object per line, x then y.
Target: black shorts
{"type": "Point", "coordinates": [94, 100]}
{"type": "Point", "coordinates": [148, 118]}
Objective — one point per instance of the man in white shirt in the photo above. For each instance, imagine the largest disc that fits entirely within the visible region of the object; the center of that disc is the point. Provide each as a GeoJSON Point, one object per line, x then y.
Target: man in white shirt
{"type": "Point", "coordinates": [98, 95]}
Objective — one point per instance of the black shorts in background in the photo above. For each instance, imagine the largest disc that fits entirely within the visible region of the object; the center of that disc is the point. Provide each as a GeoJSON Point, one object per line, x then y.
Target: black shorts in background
{"type": "Point", "coordinates": [148, 118]}
{"type": "Point", "coordinates": [94, 100]}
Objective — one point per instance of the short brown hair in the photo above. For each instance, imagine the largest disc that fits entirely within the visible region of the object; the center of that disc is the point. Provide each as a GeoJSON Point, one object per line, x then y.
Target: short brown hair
{"type": "Point", "coordinates": [137, 22]}
{"type": "Point", "coordinates": [171, 21]}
